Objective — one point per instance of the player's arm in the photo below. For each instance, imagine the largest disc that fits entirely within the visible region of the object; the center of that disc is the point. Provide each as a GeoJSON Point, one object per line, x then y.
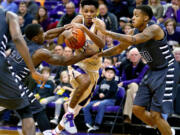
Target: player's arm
{"type": "Point", "coordinates": [148, 33]}
{"type": "Point", "coordinates": [114, 50]}
{"type": "Point", "coordinates": [53, 33]}
{"type": "Point", "coordinates": [99, 38]}
{"type": "Point", "coordinates": [151, 32]}
{"type": "Point", "coordinates": [20, 43]}
{"type": "Point", "coordinates": [54, 59]}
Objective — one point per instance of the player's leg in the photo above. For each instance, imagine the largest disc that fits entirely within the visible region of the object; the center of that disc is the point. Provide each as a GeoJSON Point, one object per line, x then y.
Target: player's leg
{"type": "Point", "coordinates": [141, 101]}
{"type": "Point", "coordinates": [162, 124]}
{"type": "Point", "coordinates": [28, 126]}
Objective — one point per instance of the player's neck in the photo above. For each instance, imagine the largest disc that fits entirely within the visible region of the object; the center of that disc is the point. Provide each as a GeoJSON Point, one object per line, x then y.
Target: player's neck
{"type": "Point", "coordinates": [142, 27]}
{"type": "Point", "coordinates": [88, 25]}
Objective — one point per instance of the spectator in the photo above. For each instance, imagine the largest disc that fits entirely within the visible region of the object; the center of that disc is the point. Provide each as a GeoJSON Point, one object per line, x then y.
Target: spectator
{"type": "Point", "coordinates": [176, 53]}
{"type": "Point", "coordinates": [21, 23]}
{"type": "Point", "coordinates": [105, 96]}
{"type": "Point", "coordinates": [23, 11]}
{"type": "Point", "coordinates": [178, 12]}
{"type": "Point", "coordinates": [119, 8]}
{"type": "Point", "coordinates": [172, 34]}
{"type": "Point", "coordinates": [126, 28]}
{"type": "Point", "coordinates": [67, 51]}
{"type": "Point", "coordinates": [9, 5]}
{"type": "Point", "coordinates": [45, 94]}
{"type": "Point", "coordinates": [131, 77]}
{"type": "Point", "coordinates": [122, 22]}
{"type": "Point", "coordinates": [109, 18]}
{"type": "Point", "coordinates": [32, 7]}
{"type": "Point", "coordinates": [171, 11]}
{"type": "Point", "coordinates": [157, 9]}
{"type": "Point", "coordinates": [63, 90]}
{"type": "Point", "coordinates": [42, 17]}
{"type": "Point", "coordinates": [70, 14]}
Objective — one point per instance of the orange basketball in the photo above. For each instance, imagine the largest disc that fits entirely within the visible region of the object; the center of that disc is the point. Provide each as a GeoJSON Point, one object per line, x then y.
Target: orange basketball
{"type": "Point", "coordinates": [81, 39]}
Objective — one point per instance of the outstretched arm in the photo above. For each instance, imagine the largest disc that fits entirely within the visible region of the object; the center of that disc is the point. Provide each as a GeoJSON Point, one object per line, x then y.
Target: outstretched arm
{"type": "Point", "coordinates": [150, 32]}
{"type": "Point", "coordinates": [54, 59]}
{"type": "Point", "coordinates": [53, 33]}
{"type": "Point", "coordinates": [114, 50]}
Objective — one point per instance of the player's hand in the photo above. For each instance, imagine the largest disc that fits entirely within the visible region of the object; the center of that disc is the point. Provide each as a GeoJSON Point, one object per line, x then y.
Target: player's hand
{"type": "Point", "coordinates": [75, 25]}
{"type": "Point", "coordinates": [98, 26]}
{"type": "Point", "coordinates": [71, 39]}
{"type": "Point", "coordinates": [39, 77]}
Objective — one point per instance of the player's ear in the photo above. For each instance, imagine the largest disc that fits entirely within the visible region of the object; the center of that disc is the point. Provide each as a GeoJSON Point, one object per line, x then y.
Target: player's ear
{"type": "Point", "coordinates": [146, 18]}
{"type": "Point", "coordinates": [35, 38]}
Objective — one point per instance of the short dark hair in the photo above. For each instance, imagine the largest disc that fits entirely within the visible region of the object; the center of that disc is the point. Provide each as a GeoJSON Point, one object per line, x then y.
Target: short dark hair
{"type": "Point", "coordinates": [32, 30]}
{"type": "Point", "coordinates": [90, 2]}
{"type": "Point", "coordinates": [146, 9]}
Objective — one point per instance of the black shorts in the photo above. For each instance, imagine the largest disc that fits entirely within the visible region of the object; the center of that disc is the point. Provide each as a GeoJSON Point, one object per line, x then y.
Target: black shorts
{"type": "Point", "coordinates": [25, 112]}
{"type": "Point", "coordinates": [157, 90]}
{"type": "Point", "coordinates": [12, 92]}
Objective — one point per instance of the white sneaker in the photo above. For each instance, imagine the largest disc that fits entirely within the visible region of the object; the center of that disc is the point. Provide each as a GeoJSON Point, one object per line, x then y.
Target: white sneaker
{"type": "Point", "coordinates": [48, 132]}
{"type": "Point", "coordinates": [54, 121]}
{"type": "Point", "coordinates": [19, 123]}
{"type": "Point", "coordinates": [69, 124]}
{"type": "Point", "coordinates": [88, 125]}
{"type": "Point", "coordinates": [173, 131]}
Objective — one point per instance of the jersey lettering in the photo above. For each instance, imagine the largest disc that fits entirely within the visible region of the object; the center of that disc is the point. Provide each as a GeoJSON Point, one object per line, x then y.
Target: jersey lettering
{"type": "Point", "coordinates": [146, 56]}
{"type": "Point", "coordinates": [16, 57]}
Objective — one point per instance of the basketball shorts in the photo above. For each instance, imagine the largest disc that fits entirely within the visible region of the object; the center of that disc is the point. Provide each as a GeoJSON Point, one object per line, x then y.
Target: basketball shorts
{"type": "Point", "coordinates": [157, 90]}
{"type": "Point", "coordinates": [74, 72]}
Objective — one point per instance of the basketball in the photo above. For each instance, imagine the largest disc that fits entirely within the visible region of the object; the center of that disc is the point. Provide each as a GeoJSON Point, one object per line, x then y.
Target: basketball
{"type": "Point", "coordinates": [81, 39]}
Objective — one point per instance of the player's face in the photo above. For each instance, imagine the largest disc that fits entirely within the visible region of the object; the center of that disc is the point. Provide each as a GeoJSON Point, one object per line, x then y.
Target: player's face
{"type": "Point", "coordinates": [138, 18]}
{"type": "Point", "coordinates": [40, 36]}
{"type": "Point", "coordinates": [89, 12]}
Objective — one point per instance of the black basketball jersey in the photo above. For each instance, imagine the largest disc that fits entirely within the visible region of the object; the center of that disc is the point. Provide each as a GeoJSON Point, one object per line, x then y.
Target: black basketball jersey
{"type": "Point", "coordinates": [17, 61]}
{"type": "Point", "coordinates": [4, 32]}
{"type": "Point", "coordinates": [157, 53]}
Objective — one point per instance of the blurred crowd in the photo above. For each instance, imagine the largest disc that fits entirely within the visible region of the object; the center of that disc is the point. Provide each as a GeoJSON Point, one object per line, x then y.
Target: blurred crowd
{"type": "Point", "coordinates": [119, 73]}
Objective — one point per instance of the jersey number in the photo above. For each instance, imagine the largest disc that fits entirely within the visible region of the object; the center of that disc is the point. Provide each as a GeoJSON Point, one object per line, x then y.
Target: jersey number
{"type": "Point", "coordinates": [146, 56]}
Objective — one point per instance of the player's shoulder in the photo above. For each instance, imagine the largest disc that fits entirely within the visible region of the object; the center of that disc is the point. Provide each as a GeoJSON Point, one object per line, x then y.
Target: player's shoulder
{"type": "Point", "coordinates": [154, 27]}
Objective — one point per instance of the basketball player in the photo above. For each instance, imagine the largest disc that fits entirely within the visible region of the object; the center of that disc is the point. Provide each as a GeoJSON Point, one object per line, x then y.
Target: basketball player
{"type": "Point", "coordinates": [84, 74]}
{"type": "Point", "coordinates": [35, 37]}
{"type": "Point", "coordinates": [12, 93]}
{"type": "Point", "coordinates": [158, 85]}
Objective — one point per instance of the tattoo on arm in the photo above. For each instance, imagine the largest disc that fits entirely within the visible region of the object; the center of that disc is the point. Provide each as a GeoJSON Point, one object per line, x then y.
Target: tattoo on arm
{"type": "Point", "coordinates": [147, 34]}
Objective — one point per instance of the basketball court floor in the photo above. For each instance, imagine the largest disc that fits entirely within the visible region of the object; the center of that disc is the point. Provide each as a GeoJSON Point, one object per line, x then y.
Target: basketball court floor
{"type": "Point", "coordinates": [17, 131]}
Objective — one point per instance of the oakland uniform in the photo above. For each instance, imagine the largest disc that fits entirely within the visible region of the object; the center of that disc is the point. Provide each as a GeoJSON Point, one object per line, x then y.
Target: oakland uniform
{"type": "Point", "coordinates": [12, 92]}
{"type": "Point", "coordinates": [22, 71]}
{"type": "Point", "coordinates": [88, 66]}
{"type": "Point", "coordinates": [158, 85]}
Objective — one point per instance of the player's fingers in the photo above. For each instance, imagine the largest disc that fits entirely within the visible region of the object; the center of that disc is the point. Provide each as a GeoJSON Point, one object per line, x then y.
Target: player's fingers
{"type": "Point", "coordinates": [68, 26]}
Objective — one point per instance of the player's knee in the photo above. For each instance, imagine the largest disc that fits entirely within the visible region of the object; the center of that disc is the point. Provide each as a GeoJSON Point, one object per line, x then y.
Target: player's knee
{"type": "Point", "coordinates": [86, 82]}
{"type": "Point", "coordinates": [155, 116]}
{"type": "Point", "coordinates": [28, 125]}
{"type": "Point", "coordinates": [138, 110]}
